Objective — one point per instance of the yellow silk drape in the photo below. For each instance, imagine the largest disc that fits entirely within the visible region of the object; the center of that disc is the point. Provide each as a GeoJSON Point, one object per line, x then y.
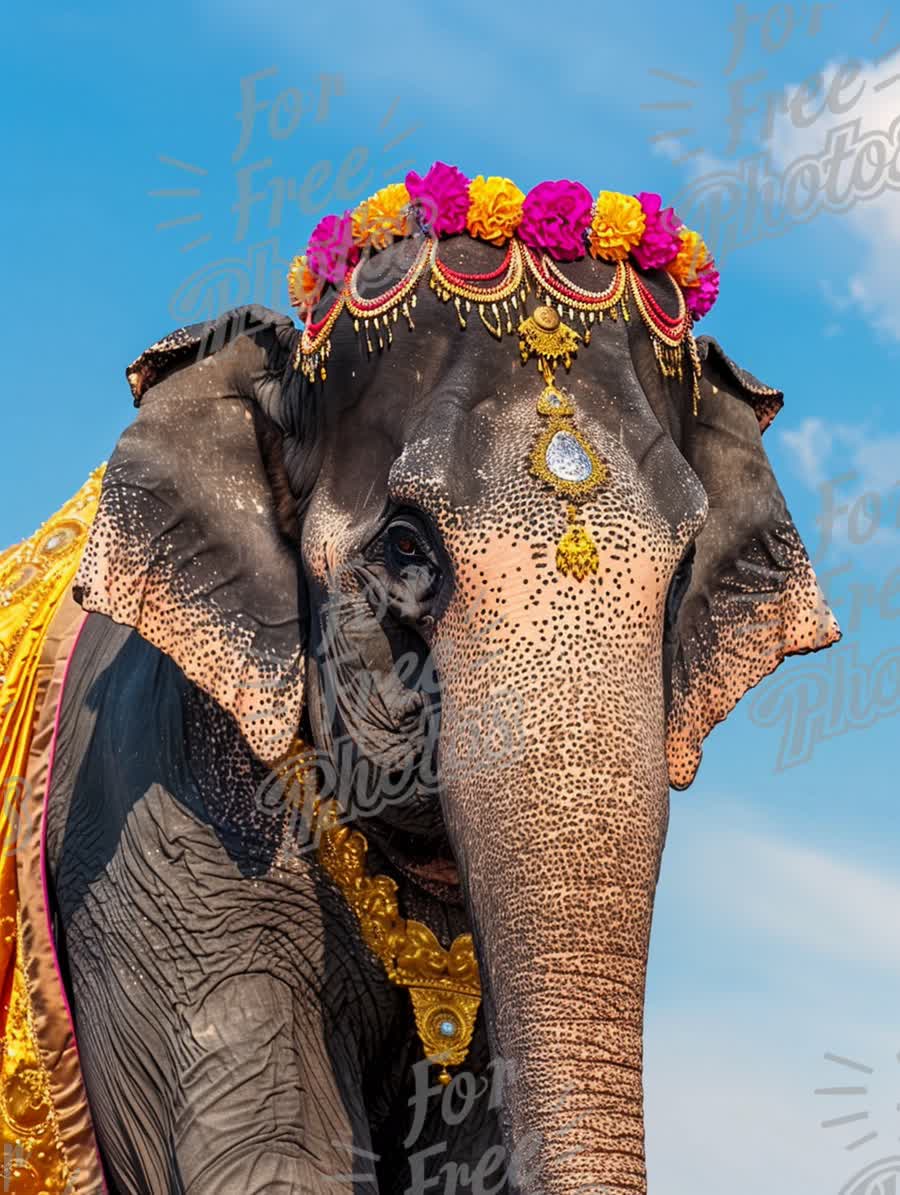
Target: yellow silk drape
{"type": "Point", "coordinates": [34, 578]}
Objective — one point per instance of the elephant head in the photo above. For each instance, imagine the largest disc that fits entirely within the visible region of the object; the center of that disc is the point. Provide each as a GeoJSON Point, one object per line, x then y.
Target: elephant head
{"type": "Point", "coordinates": [369, 557]}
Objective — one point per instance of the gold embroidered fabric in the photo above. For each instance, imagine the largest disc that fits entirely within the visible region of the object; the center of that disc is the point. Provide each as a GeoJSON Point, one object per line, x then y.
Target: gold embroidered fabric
{"type": "Point", "coordinates": [34, 580]}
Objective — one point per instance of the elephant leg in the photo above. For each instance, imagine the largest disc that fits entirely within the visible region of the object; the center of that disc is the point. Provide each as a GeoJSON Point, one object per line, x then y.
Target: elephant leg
{"type": "Point", "coordinates": [247, 1111]}
{"type": "Point", "coordinates": [200, 1020]}
{"type": "Point", "coordinates": [243, 1135]}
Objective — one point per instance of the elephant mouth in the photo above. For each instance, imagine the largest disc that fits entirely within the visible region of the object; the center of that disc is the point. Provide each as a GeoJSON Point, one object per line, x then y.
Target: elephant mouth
{"type": "Point", "coordinates": [436, 874]}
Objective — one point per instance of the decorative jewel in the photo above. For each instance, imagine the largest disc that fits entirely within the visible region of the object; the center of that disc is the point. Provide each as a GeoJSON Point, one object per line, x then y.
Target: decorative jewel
{"type": "Point", "coordinates": [59, 538]}
{"type": "Point", "coordinates": [564, 459]}
{"type": "Point", "coordinates": [617, 226]}
{"type": "Point", "coordinates": [554, 401]}
{"type": "Point", "coordinates": [495, 209]}
{"type": "Point", "coordinates": [555, 218]}
{"type": "Point", "coordinates": [588, 305]}
{"type": "Point", "coordinates": [16, 582]}
{"type": "Point", "coordinates": [561, 456]}
{"type": "Point", "coordinates": [443, 984]}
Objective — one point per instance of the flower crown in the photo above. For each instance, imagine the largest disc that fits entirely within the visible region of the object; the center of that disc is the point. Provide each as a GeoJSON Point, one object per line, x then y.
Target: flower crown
{"type": "Point", "coordinates": [560, 219]}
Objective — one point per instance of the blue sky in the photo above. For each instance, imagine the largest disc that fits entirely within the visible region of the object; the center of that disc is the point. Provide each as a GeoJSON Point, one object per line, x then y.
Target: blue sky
{"type": "Point", "coordinates": [775, 938]}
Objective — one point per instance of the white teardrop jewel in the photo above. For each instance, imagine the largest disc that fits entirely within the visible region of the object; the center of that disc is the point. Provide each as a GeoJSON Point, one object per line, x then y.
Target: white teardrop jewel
{"type": "Point", "coordinates": [566, 459]}
{"type": "Point", "coordinates": [562, 457]}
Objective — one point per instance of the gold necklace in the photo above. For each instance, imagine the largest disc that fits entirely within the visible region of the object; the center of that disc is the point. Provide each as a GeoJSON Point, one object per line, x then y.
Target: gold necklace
{"type": "Point", "coordinates": [444, 985]}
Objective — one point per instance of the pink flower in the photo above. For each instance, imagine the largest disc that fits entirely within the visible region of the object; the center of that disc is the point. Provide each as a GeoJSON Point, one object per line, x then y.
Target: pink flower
{"type": "Point", "coordinates": [555, 218]}
{"type": "Point", "coordinates": [660, 243]}
{"type": "Point", "coordinates": [331, 249]}
{"type": "Point", "coordinates": [443, 196]}
{"type": "Point", "coordinates": [701, 297]}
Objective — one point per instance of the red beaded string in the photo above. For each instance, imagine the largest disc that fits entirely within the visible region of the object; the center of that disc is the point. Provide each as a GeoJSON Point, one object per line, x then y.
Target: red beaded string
{"type": "Point", "coordinates": [313, 329]}
{"type": "Point", "coordinates": [668, 321]}
{"type": "Point", "coordinates": [458, 276]}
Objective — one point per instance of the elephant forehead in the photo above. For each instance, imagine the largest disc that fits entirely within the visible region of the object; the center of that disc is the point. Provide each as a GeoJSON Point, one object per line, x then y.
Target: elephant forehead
{"type": "Point", "coordinates": [476, 469]}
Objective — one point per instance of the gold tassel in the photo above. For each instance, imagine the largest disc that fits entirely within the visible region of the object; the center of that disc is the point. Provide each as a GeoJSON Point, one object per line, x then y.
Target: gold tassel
{"type": "Point", "coordinates": [576, 552]}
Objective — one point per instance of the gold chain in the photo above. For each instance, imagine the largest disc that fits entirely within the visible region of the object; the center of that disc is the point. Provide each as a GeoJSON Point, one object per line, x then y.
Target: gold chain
{"type": "Point", "coordinates": [508, 291]}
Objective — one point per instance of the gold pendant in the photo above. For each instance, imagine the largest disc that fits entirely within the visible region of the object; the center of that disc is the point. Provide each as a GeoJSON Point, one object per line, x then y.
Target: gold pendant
{"type": "Point", "coordinates": [543, 333]}
{"type": "Point", "coordinates": [562, 457]}
{"type": "Point", "coordinates": [576, 552]}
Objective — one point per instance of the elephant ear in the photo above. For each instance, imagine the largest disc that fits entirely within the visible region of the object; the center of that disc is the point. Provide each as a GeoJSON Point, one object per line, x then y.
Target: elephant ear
{"type": "Point", "coordinates": [186, 546]}
{"type": "Point", "coordinates": [752, 597]}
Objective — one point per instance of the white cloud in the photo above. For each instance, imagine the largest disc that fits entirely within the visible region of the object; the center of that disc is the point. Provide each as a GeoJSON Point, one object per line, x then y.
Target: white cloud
{"type": "Point", "coordinates": [801, 957]}
{"type": "Point", "coordinates": [810, 446]}
{"type": "Point", "coordinates": [875, 222]}
{"type": "Point", "coordinates": [863, 472]}
{"type": "Point", "coordinates": [812, 901]}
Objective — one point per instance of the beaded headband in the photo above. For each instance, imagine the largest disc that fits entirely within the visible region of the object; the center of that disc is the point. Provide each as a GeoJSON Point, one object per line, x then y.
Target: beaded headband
{"type": "Point", "coordinates": [556, 222]}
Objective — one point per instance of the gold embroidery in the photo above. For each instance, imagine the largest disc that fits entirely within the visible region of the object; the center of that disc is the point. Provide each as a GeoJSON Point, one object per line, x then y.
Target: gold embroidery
{"type": "Point", "coordinates": [34, 577]}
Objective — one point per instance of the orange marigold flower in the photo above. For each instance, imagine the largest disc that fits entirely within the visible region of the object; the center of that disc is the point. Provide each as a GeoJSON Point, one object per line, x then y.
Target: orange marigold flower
{"type": "Point", "coordinates": [618, 225]}
{"type": "Point", "coordinates": [382, 218]}
{"type": "Point", "coordinates": [495, 209]}
{"type": "Point", "coordinates": [693, 256]}
{"type": "Point", "coordinates": [302, 285]}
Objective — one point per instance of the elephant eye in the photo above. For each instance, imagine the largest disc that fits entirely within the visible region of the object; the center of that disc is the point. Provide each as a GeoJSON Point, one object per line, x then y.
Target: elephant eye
{"type": "Point", "coordinates": [406, 546]}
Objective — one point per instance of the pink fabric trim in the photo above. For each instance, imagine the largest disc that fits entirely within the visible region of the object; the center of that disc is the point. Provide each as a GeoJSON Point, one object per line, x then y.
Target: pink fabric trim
{"type": "Point", "coordinates": [44, 885]}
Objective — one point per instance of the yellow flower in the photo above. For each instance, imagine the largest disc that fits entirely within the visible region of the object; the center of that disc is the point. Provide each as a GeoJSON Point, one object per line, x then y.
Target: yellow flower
{"type": "Point", "coordinates": [382, 218]}
{"type": "Point", "coordinates": [618, 225]}
{"type": "Point", "coordinates": [693, 256]}
{"type": "Point", "coordinates": [302, 286]}
{"type": "Point", "coordinates": [495, 209]}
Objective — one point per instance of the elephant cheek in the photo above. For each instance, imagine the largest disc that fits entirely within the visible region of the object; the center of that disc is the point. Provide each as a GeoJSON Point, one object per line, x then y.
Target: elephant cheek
{"type": "Point", "coordinates": [559, 844]}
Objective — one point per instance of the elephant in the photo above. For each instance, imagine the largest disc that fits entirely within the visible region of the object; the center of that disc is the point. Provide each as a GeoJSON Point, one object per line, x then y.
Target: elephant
{"type": "Point", "coordinates": [352, 554]}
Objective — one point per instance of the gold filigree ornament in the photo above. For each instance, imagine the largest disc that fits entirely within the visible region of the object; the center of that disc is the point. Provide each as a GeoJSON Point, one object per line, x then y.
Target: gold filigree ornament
{"type": "Point", "coordinates": [562, 457]}
{"type": "Point", "coordinates": [443, 984]}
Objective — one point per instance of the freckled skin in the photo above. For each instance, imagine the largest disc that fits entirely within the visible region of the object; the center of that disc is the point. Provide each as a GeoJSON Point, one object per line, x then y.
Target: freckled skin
{"type": "Point", "coordinates": [536, 722]}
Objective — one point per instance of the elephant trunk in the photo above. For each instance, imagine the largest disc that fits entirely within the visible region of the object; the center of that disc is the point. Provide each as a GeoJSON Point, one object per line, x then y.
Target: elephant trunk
{"type": "Point", "coordinates": [559, 846]}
